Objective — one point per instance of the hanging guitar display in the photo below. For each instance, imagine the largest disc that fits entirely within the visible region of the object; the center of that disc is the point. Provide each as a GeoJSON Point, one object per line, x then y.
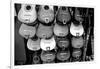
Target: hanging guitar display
{"type": "Point", "coordinates": [27, 13]}
{"type": "Point", "coordinates": [44, 31]}
{"type": "Point", "coordinates": [33, 45]}
{"type": "Point", "coordinates": [60, 30]}
{"type": "Point", "coordinates": [63, 15]}
{"type": "Point", "coordinates": [52, 34]}
{"type": "Point", "coordinates": [46, 14]}
{"type": "Point", "coordinates": [48, 44]}
{"type": "Point", "coordinates": [27, 31]}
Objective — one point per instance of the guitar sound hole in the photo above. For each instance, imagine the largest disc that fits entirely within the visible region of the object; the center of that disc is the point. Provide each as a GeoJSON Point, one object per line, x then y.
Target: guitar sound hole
{"type": "Point", "coordinates": [63, 8]}
{"type": "Point", "coordinates": [36, 59]}
{"type": "Point", "coordinates": [46, 7]}
{"type": "Point", "coordinates": [28, 7]}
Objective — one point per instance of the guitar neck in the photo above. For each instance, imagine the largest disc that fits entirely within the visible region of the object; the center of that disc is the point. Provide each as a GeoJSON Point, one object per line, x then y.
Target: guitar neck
{"type": "Point", "coordinates": [86, 40]}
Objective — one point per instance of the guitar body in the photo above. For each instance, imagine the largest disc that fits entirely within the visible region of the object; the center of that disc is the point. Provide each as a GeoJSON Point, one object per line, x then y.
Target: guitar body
{"type": "Point", "coordinates": [48, 44]}
{"type": "Point", "coordinates": [63, 15]}
{"type": "Point", "coordinates": [77, 42]}
{"type": "Point", "coordinates": [47, 56]}
{"type": "Point", "coordinates": [27, 31]}
{"type": "Point", "coordinates": [33, 45]}
{"type": "Point", "coordinates": [76, 53]}
{"type": "Point", "coordinates": [63, 42]}
{"type": "Point", "coordinates": [76, 30]}
{"type": "Point", "coordinates": [27, 13]}
{"type": "Point", "coordinates": [46, 14]}
{"type": "Point", "coordinates": [44, 31]}
{"type": "Point", "coordinates": [63, 55]}
{"type": "Point", "coordinates": [60, 30]}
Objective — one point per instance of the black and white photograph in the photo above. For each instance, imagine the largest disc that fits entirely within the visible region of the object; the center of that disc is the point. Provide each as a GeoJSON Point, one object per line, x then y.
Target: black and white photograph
{"type": "Point", "coordinates": [51, 34]}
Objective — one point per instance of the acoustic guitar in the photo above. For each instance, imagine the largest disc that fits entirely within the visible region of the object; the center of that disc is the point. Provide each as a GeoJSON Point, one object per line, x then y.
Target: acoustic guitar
{"type": "Point", "coordinates": [76, 53]}
{"type": "Point", "coordinates": [46, 14]}
{"type": "Point", "coordinates": [76, 29]}
{"type": "Point", "coordinates": [63, 42]}
{"type": "Point", "coordinates": [47, 56]}
{"type": "Point", "coordinates": [33, 45]}
{"type": "Point", "coordinates": [48, 44]}
{"type": "Point", "coordinates": [27, 13]}
{"type": "Point", "coordinates": [60, 30]}
{"type": "Point", "coordinates": [63, 55]}
{"type": "Point", "coordinates": [44, 31]}
{"type": "Point", "coordinates": [77, 42]}
{"type": "Point", "coordinates": [63, 15]}
{"type": "Point", "coordinates": [77, 15]}
{"type": "Point", "coordinates": [27, 31]}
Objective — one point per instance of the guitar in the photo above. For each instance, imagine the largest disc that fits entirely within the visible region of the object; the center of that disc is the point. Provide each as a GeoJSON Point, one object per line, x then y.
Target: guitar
{"type": "Point", "coordinates": [33, 45]}
{"type": "Point", "coordinates": [47, 56]}
{"type": "Point", "coordinates": [63, 15]}
{"type": "Point", "coordinates": [77, 42]}
{"type": "Point", "coordinates": [63, 42]}
{"type": "Point", "coordinates": [63, 55]}
{"type": "Point", "coordinates": [48, 44]}
{"type": "Point", "coordinates": [60, 30]}
{"type": "Point", "coordinates": [76, 30]}
{"type": "Point", "coordinates": [27, 31]}
{"type": "Point", "coordinates": [77, 15]}
{"type": "Point", "coordinates": [27, 13]}
{"type": "Point", "coordinates": [46, 14]}
{"type": "Point", "coordinates": [44, 31]}
{"type": "Point", "coordinates": [76, 53]}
